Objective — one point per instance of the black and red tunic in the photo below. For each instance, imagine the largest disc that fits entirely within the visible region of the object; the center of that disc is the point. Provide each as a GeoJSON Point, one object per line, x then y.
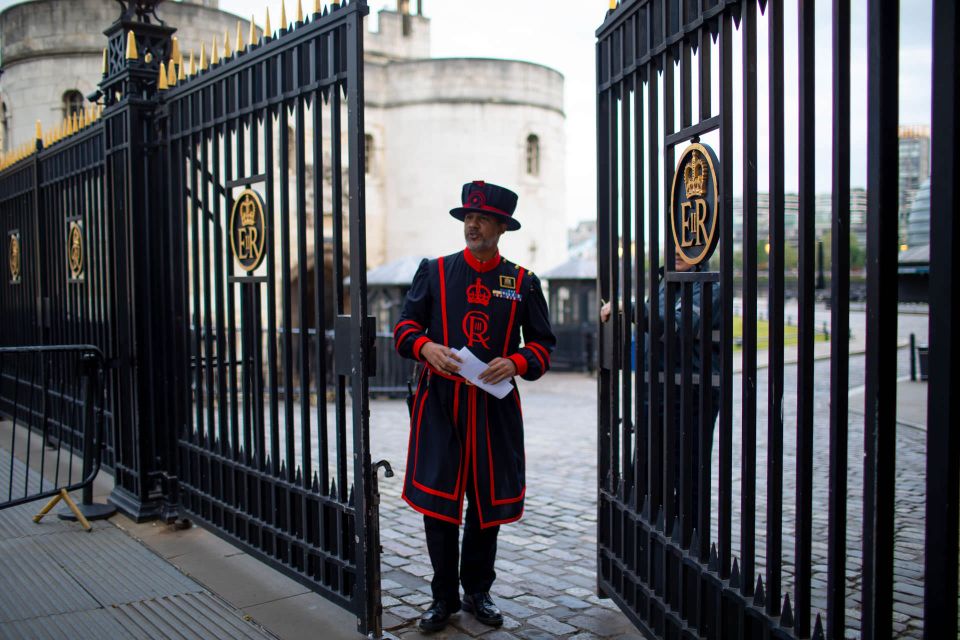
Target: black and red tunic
{"type": "Point", "coordinates": [457, 429]}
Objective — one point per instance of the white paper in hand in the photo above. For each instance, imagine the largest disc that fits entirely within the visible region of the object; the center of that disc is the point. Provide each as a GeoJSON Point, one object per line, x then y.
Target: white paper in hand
{"type": "Point", "coordinates": [472, 367]}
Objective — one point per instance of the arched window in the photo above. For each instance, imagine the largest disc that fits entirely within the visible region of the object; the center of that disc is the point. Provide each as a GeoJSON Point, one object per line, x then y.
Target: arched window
{"type": "Point", "coordinates": [72, 103]}
{"type": "Point", "coordinates": [533, 155]}
{"type": "Point", "coordinates": [368, 149]}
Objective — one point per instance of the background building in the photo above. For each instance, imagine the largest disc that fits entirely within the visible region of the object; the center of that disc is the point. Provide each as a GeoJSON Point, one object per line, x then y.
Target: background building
{"type": "Point", "coordinates": [431, 124]}
{"type": "Point", "coordinates": [914, 148]}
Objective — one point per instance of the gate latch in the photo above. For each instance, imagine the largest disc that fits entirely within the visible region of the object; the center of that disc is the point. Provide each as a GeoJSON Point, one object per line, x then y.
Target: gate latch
{"type": "Point", "coordinates": [345, 359]}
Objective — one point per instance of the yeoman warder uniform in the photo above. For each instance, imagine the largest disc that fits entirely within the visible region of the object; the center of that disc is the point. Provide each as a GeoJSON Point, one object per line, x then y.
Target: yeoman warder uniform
{"type": "Point", "coordinates": [465, 442]}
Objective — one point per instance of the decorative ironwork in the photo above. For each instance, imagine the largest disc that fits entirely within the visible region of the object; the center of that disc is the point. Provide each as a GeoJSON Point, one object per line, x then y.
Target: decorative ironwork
{"type": "Point", "coordinates": [75, 251]}
{"type": "Point", "coordinates": [694, 210]}
{"type": "Point", "coordinates": [14, 256]}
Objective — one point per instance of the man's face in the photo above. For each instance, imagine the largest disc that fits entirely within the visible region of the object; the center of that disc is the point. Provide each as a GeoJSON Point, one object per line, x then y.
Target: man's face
{"type": "Point", "coordinates": [678, 262]}
{"type": "Point", "coordinates": [482, 232]}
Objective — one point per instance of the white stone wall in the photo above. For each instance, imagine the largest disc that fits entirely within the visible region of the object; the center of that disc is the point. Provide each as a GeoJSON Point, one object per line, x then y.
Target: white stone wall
{"type": "Point", "coordinates": [440, 123]}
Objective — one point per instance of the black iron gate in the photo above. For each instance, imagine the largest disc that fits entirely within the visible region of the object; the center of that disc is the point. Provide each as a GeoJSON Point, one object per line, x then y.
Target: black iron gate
{"type": "Point", "coordinates": [686, 547]}
{"type": "Point", "coordinates": [198, 225]}
{"type": "Point", "coordinates": [267, 459]}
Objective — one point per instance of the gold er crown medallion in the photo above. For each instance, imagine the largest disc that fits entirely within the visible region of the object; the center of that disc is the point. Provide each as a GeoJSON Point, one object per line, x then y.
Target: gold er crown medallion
{"type": "Point", "coordinates": [695, 176]}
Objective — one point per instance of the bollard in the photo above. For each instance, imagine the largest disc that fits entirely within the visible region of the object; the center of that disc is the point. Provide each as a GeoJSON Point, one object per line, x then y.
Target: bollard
{"type": "Point", "coordinates": [913, 358]}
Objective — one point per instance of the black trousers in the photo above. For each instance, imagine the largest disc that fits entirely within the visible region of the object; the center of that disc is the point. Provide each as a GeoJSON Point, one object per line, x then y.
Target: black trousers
{"type": "Point", "coordinates": [475, 562]}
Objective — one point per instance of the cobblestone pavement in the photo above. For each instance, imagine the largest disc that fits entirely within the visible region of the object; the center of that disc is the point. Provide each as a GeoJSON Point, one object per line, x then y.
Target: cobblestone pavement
{"type": "Point", "coordinates": [546, 562]}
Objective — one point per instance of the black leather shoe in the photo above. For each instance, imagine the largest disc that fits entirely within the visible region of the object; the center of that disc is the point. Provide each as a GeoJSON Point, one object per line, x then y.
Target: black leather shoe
{"type": "Point", "coordinates": [436, 617]}
{"type": "Point", "coordinates": [482, 607]}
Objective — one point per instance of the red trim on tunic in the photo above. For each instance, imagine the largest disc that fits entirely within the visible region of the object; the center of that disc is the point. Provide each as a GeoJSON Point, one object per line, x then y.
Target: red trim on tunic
{"type": "Point", "coordinates": [520, 361]}
{"type": "Point", "coordinates": [513, 311]}
{"type": "Point", "coordinates": [406, 322]}
{"type": "Point", "coordinates": [493, 494]}
{"type": "Point", "coordinates": [482, 267]}
{"type": "Point", "coordinates": [543, 366]}
{"type": "Point", "coordinates": [443, 302]}
{"type": "Point", "coordinates": [404, 335]}
{"type": "Point", "coordinates": [540, 349]}
{"type": "Point", "coordinates": [427, 512]}
{"type": "Point", "coordinates": [418, 345]}
{"type": "Point", "coordinates": [416, 458]}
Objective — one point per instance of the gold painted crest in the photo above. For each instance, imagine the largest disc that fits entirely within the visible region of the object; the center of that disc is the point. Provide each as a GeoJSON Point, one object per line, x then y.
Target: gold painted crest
{"type": "Point", "coordinates": [248, 230]}
{"type": "Point", "coordinates": [14, 257]}
{"type": "Point", "coordinates": [75, 250]}
{"type": "Point", "coordinates": [695, 208]}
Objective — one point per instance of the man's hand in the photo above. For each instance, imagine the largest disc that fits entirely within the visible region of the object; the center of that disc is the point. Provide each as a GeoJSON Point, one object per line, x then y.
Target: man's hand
{"type": "Point", "coordinates": [498, 369]}
{"type": "Point", "coordinates": [441, 358]}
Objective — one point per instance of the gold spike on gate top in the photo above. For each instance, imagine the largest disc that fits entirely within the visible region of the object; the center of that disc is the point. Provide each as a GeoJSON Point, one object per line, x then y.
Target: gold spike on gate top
{"type": "Point", "coordinates": [131, 46]}
{"type": "Point", "coordinates": [283, 15]}
{"type": "Point", "coordinates": [214, 56]}
{"type": "Point", "coordinates": [266, 28]}
{"type": "Point", "coordinates": [238, 43]}
{"type": "Point", "coordinates": [162, 78]}
{"type": "Point", "coordinates": [76, 122]}
{"type": "Point", "coordinates": [175, 49]}
{"type": "Point", "coordinates": [106, 64]}
{"type": "Point", "coordinates": [203, 57]}
{"type": "Point", "coordinates": [316, 6]}
{"type": "Point", "coordinates": [181, 73]}
{"type": "Point", "coordinates": [171, 74]}
{"type": "Point", "coordinates": [252, 39]}
{"type": "Point", "coordinates": [193, 65]}
{"type": "Point", "coordinates": [300, 11]}
{"type": "Point", "coordinates": [226, 45]}
{"type": "Point", "coordinates": [613, 4]}
{"type": "Point", "coordinates": [39, 132]}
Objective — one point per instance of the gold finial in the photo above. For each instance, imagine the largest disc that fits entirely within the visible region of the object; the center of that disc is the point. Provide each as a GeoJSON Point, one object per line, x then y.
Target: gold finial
{"type": "Point", "coordinates": [267, 32]}
{"type": "Point", "coordinates": [283, 14]}
{"type": "Point", "coordinates": [175, 49]}
{"type": "Point", "coordinates": [238, 45]}
{"type": "Point", "coordinates": [171, 74]}
{"type": "Point", "coordinates": [106, 64]}
{"type": "Point", "coordinates": [214, 56]}
{"type": "Point", "coordinates": [39, 134]}
{"type": "Point", "coordinates": [181, 74]}
{"type": "Point", "coordinates": [148, 58]}
{"type": "Point", "coordinates": [299, 10]}
{"type": "Point", "coordinates": [131, 46]}
{"type": "Point", "coordinates": [226, 45]}
{"type": "Point", "coordinates": [76, 123]}
{"type": "Point", "coordinates": [203, 57]}
{"type": "Point", "coordinates": [316, 6]}
{"type": "Point", "coordinates": [193, 65]}
{"type": "Point", "coordinates": [162, 78]}
{"type": "Point", "coordinates": [252, 39]}
{"type": "Point", "coordinates": [613, 4]}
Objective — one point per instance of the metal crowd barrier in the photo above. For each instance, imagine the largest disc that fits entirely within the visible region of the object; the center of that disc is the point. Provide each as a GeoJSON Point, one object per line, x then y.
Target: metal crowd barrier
{"type": "Point", "coordinates": [51, 426]}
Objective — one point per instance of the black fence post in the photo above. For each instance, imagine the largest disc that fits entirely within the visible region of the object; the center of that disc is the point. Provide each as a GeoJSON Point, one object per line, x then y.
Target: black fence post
{"type": "Point", "coordinates": [144, 288]}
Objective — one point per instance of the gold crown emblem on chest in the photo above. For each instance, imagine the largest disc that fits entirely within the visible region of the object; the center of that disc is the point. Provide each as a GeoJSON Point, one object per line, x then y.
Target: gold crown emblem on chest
{"type": "Point", "coordinates": [477, 293]}
{"type": "Point", "coordinates": [695, 176]}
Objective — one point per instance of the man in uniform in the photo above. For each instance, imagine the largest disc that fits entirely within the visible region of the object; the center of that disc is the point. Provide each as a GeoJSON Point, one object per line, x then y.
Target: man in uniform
{"type": "Point", "coordinates": [465, 442]}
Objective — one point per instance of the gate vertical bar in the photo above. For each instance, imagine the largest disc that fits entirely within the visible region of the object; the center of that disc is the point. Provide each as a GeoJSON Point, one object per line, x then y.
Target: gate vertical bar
{"type": "Point", "coordinates": [840, 324]}
{"type": "Point", "coordinates": [366, 501]}
{"type": "Point", "coordinates": [943, 403]}
{"type": "Point", "coordinates": [807, 161]}
{"type": "Point", "coordinates": [880, 400]}
{"type": "Point", "coordinates": [748, 488]}
{"type": "Point", "coordinates": [775, 313]}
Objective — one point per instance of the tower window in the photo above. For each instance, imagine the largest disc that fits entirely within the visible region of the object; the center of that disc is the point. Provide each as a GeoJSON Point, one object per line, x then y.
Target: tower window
{"type": "Point", "coordinates": [368, 149]}
{"type": "Point", "coordinates": [72, 103]}
{"type": "Point", "coordinates": [533, 155]}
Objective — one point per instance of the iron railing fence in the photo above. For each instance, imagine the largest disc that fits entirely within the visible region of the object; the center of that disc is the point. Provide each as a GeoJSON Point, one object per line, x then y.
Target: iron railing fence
{"type": "Point", "coordinates": [264, 455]}
{"type": "Point", "coordinates": [51, 421]}
{"type": "Point", "coordinates": [705, 549]}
